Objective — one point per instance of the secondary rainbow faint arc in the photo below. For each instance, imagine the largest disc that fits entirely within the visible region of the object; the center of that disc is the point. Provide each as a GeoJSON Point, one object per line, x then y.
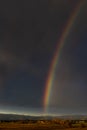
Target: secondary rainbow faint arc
{"type": "Point", "coordinates": [49, 81]}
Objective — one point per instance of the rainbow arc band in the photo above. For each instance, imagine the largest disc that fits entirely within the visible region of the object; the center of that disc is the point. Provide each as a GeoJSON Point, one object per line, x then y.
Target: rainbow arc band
{"type": "Point", "coordinates": [60, 44]}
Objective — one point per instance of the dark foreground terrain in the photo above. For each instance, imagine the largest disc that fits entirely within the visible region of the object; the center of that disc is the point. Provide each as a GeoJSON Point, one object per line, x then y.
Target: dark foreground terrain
{"type": "Point", "coordinates": [28, 127]}
{"type": "Point", "coordinates": [34, 127]}
{"type": "Point", "coordinates": [54, 124]}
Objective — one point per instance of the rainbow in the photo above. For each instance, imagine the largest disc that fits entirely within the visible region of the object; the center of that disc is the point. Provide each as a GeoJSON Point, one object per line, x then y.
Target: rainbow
{"type": "Point", "coordinates": [50, 78]}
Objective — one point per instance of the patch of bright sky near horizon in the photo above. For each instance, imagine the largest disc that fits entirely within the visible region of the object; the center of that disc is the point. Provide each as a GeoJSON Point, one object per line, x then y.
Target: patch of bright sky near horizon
{"type": "Point", "coordinates": [20, 110]}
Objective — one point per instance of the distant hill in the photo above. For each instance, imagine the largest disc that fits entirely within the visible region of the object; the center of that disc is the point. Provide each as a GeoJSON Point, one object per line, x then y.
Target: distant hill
{"type": "Point", "coordinates": [74, 117]}
{"type": "Point", "coordinates": [23, 117]}
{"type": "Point", "coordinates": [26, 117]}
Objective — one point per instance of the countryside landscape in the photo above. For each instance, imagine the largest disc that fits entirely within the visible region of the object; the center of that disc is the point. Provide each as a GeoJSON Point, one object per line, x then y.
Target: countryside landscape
{"type": "Point", "coordinates": [22, 122]}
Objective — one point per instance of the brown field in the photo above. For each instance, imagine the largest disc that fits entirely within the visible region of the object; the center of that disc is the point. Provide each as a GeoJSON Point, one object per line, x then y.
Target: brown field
{"type": "Point", "coordinates": [16, 126]}
{"type": "Point", "coordinates": [44, 125]}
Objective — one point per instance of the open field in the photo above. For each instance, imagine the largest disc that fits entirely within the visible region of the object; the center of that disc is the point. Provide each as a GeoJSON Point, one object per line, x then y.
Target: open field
{"type": "Point", "coordinates": [36, 126]}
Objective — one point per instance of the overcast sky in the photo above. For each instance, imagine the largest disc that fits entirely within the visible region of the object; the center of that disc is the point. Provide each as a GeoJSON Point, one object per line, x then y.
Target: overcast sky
{"type": "Point", "coordinates": [29, 31]}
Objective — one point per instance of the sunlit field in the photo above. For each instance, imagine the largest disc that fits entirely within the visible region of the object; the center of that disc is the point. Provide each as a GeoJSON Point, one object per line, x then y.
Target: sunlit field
{"type": "Point", "coordinates": [44, 125]}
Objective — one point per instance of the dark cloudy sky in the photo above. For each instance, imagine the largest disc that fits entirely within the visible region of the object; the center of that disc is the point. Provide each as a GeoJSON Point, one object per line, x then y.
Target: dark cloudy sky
{"type": "Point", "coordinates": [29, 31]}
